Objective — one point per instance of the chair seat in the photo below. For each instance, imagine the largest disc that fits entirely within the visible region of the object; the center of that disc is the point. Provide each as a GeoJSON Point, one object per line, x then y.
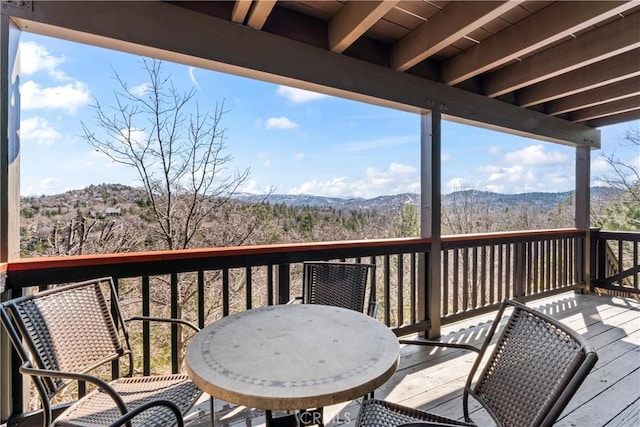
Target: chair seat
{"type": "Point", "coordinates": [98, 409]}
{"type": "Point", "coordinates": [380, 413]}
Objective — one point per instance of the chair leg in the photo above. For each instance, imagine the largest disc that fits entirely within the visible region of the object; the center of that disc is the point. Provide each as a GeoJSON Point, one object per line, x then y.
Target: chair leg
{"type": "Point", "coordinates": [213, 411]}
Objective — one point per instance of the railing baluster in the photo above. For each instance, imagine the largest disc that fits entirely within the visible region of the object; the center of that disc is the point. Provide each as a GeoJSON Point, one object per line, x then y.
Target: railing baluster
{"type": "Point", "coordinates": [414, 285]}
{"type": "Point", "coordinates": [115, 365]}
{"type": "Point", "coordinates": [225, 292]}
{"type": "Point", "coordinates": [483, 276]}
{"type": "Point", "coordinates": [201, 307]}
{"type": "Point", "coordinates": [387, 290]}
{"type": "Point", "coordinates": [270, 284]}
{"type": "Point", "coordinates": [248, 293]}
{"type": "Point", "coordinates": [492, 274]}
{"type": "Point", "coordinates": [456, 280]}
{"type": "Point", "coordinates": [508, 271]}
{"type": "Point", "coordinates": [465, 279]}
{"type": "Point", "coordinates": [444, 307]}
{"type": "Point", "coordinates": [400, 284]}
{"type": "Point", "coordinates": [474, 277]}
{"type": "Point", "coordinates": [146, 327]}
{"type": "Point", "coordinates": [174, 328]}
{"type": "Point", "coordinates": [500, 270]}
{"type": "Point", "coordinates": [636, 261]}
{"type": "Point", "coordinates": [535, 285]}
{"type": "Point", "coordinates": [620, 259]}
{"type": "Point", "coordinates": [374, 283]}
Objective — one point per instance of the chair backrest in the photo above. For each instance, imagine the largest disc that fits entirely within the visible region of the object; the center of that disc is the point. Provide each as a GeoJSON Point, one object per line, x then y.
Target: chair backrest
{"type": "Point", "coordinates": [67, 328]}
{"type": "Point", "coordinates": [340, 284]}
{"type": "Point", "coordinates": [534, 369]}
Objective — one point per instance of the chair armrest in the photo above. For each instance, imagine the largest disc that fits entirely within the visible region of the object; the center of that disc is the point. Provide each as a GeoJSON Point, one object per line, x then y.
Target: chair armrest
{"type": "Point", "coordinates": [294, 300]}
{"type": "Point", "coordinates": [140, 409]}
{"type": "Point", "coordinates": [163, 320]}
{"type": "Point", "coordinates": [27, 369]}
{"type": "Point", "coordinates": [440, 344]}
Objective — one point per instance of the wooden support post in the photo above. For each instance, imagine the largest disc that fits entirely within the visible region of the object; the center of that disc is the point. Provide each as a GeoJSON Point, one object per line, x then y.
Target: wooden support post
{"type": "Point", "coordinates": [583, 210]}
{"type": "Point", "coordinates": [11, 397]}
{"type": "Point", "coordinates": [429, 272]}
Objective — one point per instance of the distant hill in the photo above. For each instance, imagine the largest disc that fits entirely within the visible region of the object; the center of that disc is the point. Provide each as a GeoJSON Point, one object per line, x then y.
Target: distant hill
{"type": "Point", "coordinates": [110, 195]}
{"type": "Point", "coordinates": [543, 201]}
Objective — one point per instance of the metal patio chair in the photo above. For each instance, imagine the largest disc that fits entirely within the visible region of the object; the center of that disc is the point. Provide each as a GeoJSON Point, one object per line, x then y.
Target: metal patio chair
{"type": "Point", "coordinates": [63, 334]}
{"type": "Point", "coordinates": [525, 377]}
{"type": "Point", "coordinates": [340, 284]}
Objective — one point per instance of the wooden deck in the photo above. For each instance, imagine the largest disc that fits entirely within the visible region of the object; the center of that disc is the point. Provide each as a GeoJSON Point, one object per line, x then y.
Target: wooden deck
{"type": "Point", "coordinates": [433, 379]}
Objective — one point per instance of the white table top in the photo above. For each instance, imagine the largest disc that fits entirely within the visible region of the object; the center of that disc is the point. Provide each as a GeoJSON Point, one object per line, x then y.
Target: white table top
{"type": "Point", "coordinates": [292, 356]}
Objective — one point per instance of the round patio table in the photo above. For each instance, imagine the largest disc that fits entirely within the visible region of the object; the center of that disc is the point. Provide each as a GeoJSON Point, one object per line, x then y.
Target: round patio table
{"type": "Point", "coordinates": [292, 356]}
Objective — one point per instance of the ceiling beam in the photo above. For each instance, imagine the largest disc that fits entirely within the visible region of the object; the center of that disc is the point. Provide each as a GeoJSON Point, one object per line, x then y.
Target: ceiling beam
{"type": "Point", "coordinates": [239, 50]}
{"type": "Point", "coordinates": [353, 20]}
{"type": "Point", "coordinates": [613, 92]}
{"type": "Point", "coordinates": [553, 23]}
{"type": "Point", "coordinates": [240, 11]}
{"type": "Point", "coordinates": [629, 116]}
{"type": "Point", "coordinates": [608, 109]}
{"type": "Point", "coordinates": [610, 40]}
{"type": "Point", "coordinates": [452, 23]}
{"type": "Point", "coordinates": [621, 67]}
{"type": "Point", "coordinates": [259, 12]}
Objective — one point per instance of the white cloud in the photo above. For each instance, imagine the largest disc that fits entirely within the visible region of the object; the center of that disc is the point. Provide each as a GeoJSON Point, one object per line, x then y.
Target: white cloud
{"type": "Point", "coordinates": [298, 156]}
{"type": "Point", "coordinates": [38, 130]}
{"type": "Point", "coordinates": [495, 150]}
{"type": "Point", "coordinates": [456, 184]}
{"type": "Point", "coordinates": [48, 185]}
{"type": "Point", "coordinates": [375, 144]}
{"type": "Point", "coordinates": [488, 169]}
{"type": "Point", "coordinates": [446, 157]}
{"type": "Point", "coordinates": [141, 89]}
{"type": "Point", "coordinates": [35, 57]}
{"type": "Point", "coordinates": [68, 97]}
{"type": "Point", "coordinates": [395, 179]}
{"type": "Point", "coordinates": [400, 169]}
{"type": "Point", "coordinates": [281, 122]}
{"type": "Point", "coordinates": [494, 188]}
{"type": "Point", "coordinates": [192, 76]}
{"type": "Point", "coordinates": [535, 155]}
{"type": "Point", "coordinates": [138, 137]}
{"type": "Point", "coordinates": [298, 96]}
{"type": "Point", "coordinates": [251, 187]}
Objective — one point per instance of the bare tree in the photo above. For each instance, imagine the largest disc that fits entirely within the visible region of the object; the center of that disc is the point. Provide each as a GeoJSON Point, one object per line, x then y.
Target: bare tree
{"type": "Point", "coordinates": [625, 175]}
{"type": "Point", "coordinates": [466, 212]}
{"type": "Point", "coordinates": [623, 213]}
{"type": "Point", "coordinates": [179, 155]}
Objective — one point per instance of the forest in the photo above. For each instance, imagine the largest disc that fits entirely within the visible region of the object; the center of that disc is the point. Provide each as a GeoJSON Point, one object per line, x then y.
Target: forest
{"type": "Point", "coordinates": [116, 218]}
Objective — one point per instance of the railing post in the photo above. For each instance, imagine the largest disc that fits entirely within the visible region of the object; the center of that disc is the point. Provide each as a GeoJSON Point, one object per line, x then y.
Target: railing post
{"type": "Point", "coordinates": [519, 274]}
{"type": "Point", "coordinates": [598, 255]}
{"type": "Point", "coordinates": [430, 271]}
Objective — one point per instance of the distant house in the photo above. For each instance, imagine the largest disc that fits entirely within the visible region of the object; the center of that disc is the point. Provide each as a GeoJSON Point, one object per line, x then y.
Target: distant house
{"type": "Point", "coordinates": [112, 212]}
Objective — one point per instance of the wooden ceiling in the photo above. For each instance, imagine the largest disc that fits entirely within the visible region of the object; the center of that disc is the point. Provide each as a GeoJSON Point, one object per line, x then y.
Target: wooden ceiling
{"type": "Point", "coordinates": [577, 60]}
{"type": "Point", "coordinates": [552, 69]}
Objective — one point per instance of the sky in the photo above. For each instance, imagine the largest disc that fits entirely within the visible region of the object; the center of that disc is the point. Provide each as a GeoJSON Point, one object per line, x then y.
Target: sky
{"type": "Point", "coordinates": [293, 141]}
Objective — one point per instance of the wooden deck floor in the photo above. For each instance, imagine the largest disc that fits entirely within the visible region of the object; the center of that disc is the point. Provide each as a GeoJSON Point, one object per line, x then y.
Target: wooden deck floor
{"type": "Point", "coordinates": [433, 379]}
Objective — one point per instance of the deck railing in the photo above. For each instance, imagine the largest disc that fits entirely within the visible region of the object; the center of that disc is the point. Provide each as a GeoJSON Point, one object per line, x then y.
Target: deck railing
{"type": "Point", "coordinates": [480, 270]}
{"type": "Point", "coordinates": [202, 285]}
{"type": "Point", "coordinates": [616, 261]}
